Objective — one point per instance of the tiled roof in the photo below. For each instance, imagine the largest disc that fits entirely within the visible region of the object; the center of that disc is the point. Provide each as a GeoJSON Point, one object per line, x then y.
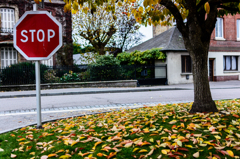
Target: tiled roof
{"type": "Point", "coordinates": [170, 40]}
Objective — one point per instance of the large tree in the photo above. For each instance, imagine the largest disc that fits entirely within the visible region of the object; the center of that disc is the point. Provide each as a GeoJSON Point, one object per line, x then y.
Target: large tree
{"type": "Point", "coordinates": [201, 16]}
{"type": "Point", "coordinates": [127, 34]}
{"type": "Point", "coordinates": [98, 24]}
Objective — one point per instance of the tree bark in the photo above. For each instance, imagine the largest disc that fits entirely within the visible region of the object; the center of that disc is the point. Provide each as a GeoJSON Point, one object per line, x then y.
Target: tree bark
{"type": "Point", "coordinates": [202, 95]}
{"type": "Point", "coordinates": [101, 50]}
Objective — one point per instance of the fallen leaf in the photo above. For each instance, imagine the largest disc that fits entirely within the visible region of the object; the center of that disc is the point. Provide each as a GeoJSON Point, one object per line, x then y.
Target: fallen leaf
{"type": "Point", "coordinates": [135, 149]}
{"type": "Point", "coordinates": [67, 156]}
{"type": "Point", "coordinates": [165, 151]}
{"type": "Point", "coordinates": [44, 157]}
{"type": "Point", "coordinates": [52, 155]}
{"type": "Point", "coordinates": [230, 153]}
{"type": "Point", "coordinates": [196, 155]}
{"type": "Point", "coordinates": [13, 156]}
{"type": "Point", "coordinates": [143, 150]}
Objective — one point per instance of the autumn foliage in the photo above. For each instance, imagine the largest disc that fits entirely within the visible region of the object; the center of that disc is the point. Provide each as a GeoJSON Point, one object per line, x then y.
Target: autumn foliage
{"type": "Point", "coordinates": [162, 131]}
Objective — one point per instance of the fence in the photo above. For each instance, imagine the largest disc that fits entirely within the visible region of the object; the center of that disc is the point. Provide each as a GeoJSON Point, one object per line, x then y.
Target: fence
{"type": "Point", "coordinates": [80, 73]}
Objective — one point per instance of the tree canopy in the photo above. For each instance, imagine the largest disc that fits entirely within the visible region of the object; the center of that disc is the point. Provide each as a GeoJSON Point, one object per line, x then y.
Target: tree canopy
{"type": "Point", "coordinates": [99, 24]}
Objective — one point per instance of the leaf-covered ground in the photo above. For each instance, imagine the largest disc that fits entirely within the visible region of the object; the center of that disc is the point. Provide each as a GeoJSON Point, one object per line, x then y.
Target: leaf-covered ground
{"type": "Point", "coordinates": [163, 131]}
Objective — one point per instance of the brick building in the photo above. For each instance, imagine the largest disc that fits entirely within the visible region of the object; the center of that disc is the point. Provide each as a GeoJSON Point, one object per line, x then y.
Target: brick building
{"type": "Point", "coordinates": [224, 52]}
{"type": "Point", "coordinates": [12, 10]}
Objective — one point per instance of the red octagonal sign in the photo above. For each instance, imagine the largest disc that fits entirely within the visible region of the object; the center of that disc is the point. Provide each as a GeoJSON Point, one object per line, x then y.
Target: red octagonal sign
{"type": "Point", "coordinates": [37, 35]}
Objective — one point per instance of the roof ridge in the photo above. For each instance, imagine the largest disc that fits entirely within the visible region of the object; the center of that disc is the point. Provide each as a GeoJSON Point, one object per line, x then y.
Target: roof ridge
{"type": "Point", "coordinates": [170, 39]}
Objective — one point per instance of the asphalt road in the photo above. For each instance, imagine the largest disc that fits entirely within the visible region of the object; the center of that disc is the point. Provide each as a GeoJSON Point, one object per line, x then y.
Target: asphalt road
{"type": "Point", "coordinates": [111, 98]}
{"type": "Point", "coordinates": [16, 120]}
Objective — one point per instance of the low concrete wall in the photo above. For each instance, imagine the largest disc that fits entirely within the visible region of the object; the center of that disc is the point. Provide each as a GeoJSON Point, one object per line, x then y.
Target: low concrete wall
{"type": "Point", "coordinates": [120, 83]}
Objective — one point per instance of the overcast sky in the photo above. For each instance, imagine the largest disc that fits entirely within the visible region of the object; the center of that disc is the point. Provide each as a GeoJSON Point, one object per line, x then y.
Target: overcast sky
{"type": "Point", "coordinates": [147, 32]}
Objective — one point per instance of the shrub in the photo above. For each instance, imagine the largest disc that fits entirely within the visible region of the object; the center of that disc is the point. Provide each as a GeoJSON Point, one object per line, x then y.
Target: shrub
{"type": "Point", "coordinates": [50, 76]}
{"type": "Point", "coordinates": [70, 77]}
{"type": "Point", "coordinates": [106, 67]}
{"type": "Point", "coordinates": [22, 73]}
{"type": "Point", "coordinates": [141, 58]}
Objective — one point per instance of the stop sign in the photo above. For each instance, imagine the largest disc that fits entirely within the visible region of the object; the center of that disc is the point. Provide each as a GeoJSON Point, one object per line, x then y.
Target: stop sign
{"type": "Point", "coordinates": [37, 35]}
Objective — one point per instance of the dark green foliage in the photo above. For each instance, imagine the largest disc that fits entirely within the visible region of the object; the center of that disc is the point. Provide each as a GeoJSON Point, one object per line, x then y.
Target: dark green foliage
{"type": "Point", "coordinates": [21, 73]}
{"type": "Point", "coordinates": [106, 67]}
{"type": "Point", "coordinates": [141, 58]}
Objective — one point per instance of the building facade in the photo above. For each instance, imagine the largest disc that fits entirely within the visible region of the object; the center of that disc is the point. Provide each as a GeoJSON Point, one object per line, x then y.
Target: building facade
{"type": "Point", "coordinates": [223, 57]}
{"type": "Point", "coordinates": [11, 11]}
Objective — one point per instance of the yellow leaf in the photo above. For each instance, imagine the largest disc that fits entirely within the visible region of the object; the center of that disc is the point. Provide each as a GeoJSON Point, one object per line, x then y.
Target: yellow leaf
{"type": "Point", "coordinates": [73, 143]}
{"type": "Point", "coordinates": [207, 7]}
{"type": "Point", "coordinates": [165, 151]}
{"type": "Point", "coordinates": [67, 156]}
{"type": "Point", "coordinates": [217, 137]}
{"type": "Point", "coordinates": [32, 153]}
{"type": "Point", "coordinates": [97, 143]}
{"type": "Point", "coordinates": [135, 149]}
{"type": "Point", "coordinates": [151, 140]}
{"type": "Point", "coordinates": [143, 150]}
{"type": "Point", "coordinates": [230, 153]}
{"type": "Point", "coordinates": [21, 139]}
{"type": "Point", "coordinates": [190, 146]}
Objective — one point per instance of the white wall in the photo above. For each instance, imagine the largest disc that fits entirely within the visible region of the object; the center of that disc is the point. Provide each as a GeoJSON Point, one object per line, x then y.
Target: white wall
{"type": "Point", "coordinates": [218, 63]}
{"type": "Point", "coordinates": [174, 69]}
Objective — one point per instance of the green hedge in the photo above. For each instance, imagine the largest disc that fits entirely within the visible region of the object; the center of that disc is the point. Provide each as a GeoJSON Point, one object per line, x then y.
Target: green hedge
{"type": "Point", "coordinates": [141, 58]}
{"type": "Point", "coordinates": [106, 67]}
{"type": "Point", "coordinates": [21, 73]}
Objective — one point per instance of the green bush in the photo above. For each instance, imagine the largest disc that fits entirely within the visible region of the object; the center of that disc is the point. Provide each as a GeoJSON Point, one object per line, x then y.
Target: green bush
{"type": "Point", "coordinates": [22, 73]}
{"type": "Point", "coordinates": [106, 67]}
{"type": "Point", "coordinates": [141, 58]}
{"type": "Point", "coordinates": [50, 76]}
{"type": "Point", "coordinates": [75, 77]}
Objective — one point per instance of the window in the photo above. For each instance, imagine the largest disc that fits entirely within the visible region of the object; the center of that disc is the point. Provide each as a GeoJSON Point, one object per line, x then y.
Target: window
{"type": "Point", "coordinates": [48, 62]}
{"type": "Point", "coordinates": [230, 63]}
{"type": "Point", "coordinates": [238, 29]}
{"type": "Point", "coordinates": [8, 56]}
{"type": "Point", "coordinates": [7, 20]}
{"type": "Point", "coordinates": [219, 28]}
{"type": "Point", "coordinates": [186, 64]}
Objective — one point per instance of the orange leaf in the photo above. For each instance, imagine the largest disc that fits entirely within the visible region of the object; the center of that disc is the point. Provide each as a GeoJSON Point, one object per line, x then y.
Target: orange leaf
{"type": "Point", "coordinates": [52, 155]}
{"type": "Point", "coordinates": [111, 155]}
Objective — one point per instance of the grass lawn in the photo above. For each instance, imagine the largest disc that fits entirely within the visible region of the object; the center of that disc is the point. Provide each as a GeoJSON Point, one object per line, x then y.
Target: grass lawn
{"type": "Point", "coordinates": [163, 131]}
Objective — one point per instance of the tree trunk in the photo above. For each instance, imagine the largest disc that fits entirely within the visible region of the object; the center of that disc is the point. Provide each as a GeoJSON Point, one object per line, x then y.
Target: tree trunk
{"type": "Point", "coordinates": [202, 95]}
{"type": "Point", "coordinates": [101, 51]}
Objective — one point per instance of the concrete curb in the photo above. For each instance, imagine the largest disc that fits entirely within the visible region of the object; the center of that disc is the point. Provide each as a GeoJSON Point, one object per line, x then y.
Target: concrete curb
{"type": "Point", "coordinates": [46, 121]}
{"type": "Point", "coordinates": [104, 91]}
{"type": "Point", "coordinates": [93, 92]}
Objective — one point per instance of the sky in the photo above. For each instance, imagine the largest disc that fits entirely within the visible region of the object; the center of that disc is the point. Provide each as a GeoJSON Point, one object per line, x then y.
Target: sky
{"type": "Point", "coordinates": [147, 32]}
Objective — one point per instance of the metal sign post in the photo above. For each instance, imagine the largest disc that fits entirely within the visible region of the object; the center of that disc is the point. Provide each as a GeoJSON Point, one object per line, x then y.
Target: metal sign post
{"type": "Point", "coordinates": [38, 88]}
{"type": "Point", "coordinates": [37, 36]}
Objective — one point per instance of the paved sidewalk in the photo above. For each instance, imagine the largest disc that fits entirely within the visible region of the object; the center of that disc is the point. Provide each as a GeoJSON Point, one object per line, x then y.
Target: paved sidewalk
{"type": "Point", "coordinates": [72, 91]}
